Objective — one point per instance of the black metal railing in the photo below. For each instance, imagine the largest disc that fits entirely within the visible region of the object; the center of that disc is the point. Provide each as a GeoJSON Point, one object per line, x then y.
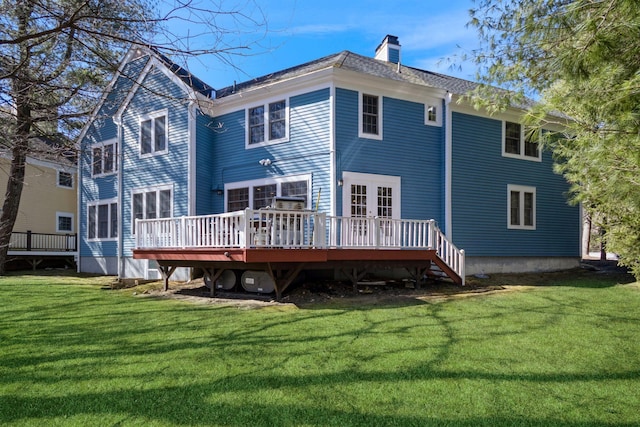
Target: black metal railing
{"type": "Point", "coordinates": [45, 242]}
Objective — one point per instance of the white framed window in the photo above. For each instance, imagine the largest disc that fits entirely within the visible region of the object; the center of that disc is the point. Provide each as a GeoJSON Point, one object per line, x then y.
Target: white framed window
{"type": "Point", "coordinates": [151, 203]}
{"type": "Point", "coordinates": [153, 134]}
{"type": "Point", "coordinates": [104, 158]}
{"type": "Point", "coordinates": [521, 207]}
{"type": "Point", "coordinates": [369, 116]}
{"type": "Point", "coordinates": [257, 194]}
{"type": "Point", "coordinates": [64, 222]}
{"type": "Point", "coordinates": [102, 220]}
{"type": "Point", "coordinates": [65, 179]}
{"type": "Point", "coordinates": [518, 143]}
{"type": "Point", "coordinates": [433, 113]}
{"type": "Point", "coordinates": [268, 123]}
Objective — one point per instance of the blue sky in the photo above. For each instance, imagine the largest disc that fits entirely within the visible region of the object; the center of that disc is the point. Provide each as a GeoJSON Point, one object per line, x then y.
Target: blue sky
{"type": "Point", "coordinates": [298, 31]}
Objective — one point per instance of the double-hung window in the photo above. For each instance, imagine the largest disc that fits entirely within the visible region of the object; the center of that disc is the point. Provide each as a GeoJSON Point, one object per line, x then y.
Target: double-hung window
{"type": "Point", "coordinates": [267, 124]}
{"type": "Point", "coordinates": [370, 123]}
{"type": "Point", "coordinates": [102, 220]}
{"type": "Point", "coordinates": [104, 158]}
{"type": "Point", "coordinates": [521, 201]}
{"type": "Point", "coordinates": [151, 203]}
{"type": "Point", "coordinates": [153, 134]}
{"type": "Point", "coordinates": [519, 143]}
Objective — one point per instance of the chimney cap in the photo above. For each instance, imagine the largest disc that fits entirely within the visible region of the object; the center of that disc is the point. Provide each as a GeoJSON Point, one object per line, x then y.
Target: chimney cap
{"type": "Point", "coordinates": [389, 39]}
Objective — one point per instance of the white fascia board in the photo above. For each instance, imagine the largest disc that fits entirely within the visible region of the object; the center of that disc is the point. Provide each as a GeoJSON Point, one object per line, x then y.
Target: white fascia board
{"type": "Point", "coordinates": [298, 85]}
{"type": "Point", "coordinates": [386, 87]}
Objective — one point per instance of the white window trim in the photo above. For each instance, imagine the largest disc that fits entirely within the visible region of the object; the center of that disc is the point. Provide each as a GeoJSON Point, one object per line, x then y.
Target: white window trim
{"type": "Point", "coordinates": [73, 181]}
{"type": "Point", "coordinates": [438, 106]}
{"type": "Point", "coordinates": [152, 116]}
{"type": "Point", "coordinates": [361, 134]}
{"type": "Point", "coordinates": [65, 214]}
{"type": "Point", "coordinates": [108, 202]}
{"type": "Point", "coordinates": [521, 189]}
{"type": "Point", "coordinates": [103, 144]}
{"type": "Point", "coordinates": [260, 182]}
{"type": "Point", "coordinates": [520, 156]}
{"type": "Point", "coordinates": [144, 190]}
{"type": "Point", "coordinates": [267, 141]}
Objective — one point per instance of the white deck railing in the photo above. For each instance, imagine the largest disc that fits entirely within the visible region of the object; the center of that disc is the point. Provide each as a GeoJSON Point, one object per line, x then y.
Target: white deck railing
{"type": "Point", "coordinates": [268, 228]}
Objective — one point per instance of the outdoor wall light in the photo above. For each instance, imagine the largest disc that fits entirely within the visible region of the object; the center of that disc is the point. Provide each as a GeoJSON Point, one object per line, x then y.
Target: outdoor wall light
{"type": "Point", "coordinates": [265, 162]}
{"type": "Point", "coordinates": [340, 183]}
{"type": "Point", "coordinates": [219, 192]}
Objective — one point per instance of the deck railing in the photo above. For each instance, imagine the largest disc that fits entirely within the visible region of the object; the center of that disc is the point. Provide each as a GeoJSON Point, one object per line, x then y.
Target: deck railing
{"type": "Point", "coordinates": [42, 242]}
{"type": "Point", "coordinates": [269, 228]}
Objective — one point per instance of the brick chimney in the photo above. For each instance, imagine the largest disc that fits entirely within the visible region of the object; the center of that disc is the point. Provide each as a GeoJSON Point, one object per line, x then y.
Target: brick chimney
{"type": "Point", "coordinates": [389, 50]}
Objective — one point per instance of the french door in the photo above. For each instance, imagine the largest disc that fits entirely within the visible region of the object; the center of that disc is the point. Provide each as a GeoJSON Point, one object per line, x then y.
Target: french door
{"type": "Point", "coordinates": [367, 197]}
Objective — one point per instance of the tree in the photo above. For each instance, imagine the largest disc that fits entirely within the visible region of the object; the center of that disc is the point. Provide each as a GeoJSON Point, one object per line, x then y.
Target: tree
{"type": "Point", "coordinates": [57, 55]}
{"type": "Point", "coordinates": [581, 58]}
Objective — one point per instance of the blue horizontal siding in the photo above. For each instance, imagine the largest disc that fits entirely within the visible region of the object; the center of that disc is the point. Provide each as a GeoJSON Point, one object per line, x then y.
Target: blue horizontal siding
{"type": "Point", "coordinates": [306, 151]}
{"type": "Point", "coordinates": [102, 129]}
{"type": "Point", "coordinates": [480, 175]}
{"type": "Point", "coordinates": [409, 149]}
{"type": "Point", "coordinates": [170, 168]}
{"type": "Point", "coordinates": [205, 169]}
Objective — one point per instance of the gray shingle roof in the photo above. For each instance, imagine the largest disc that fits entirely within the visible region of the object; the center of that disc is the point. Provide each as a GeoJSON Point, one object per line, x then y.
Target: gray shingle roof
{"type": "Point", "coordinates": [361, 64]}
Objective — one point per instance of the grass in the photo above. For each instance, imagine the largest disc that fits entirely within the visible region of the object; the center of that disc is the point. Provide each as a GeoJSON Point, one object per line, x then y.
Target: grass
{"type": "Point", "coordinates": [565, 353]}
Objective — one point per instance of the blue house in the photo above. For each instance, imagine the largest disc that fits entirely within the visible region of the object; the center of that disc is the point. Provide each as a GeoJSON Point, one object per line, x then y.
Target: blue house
{"type": "Point", "coordinates": [347, 135]}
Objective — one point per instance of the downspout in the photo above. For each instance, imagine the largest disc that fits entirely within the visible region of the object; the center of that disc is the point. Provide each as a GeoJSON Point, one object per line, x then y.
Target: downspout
{"type": "Point", "coordinates": [79, 210]}
{"type": "Point", "coordinates": [120, 166]}
{"type": "Point", "coordinates": [191, 158]}
{"type": "Point", "coordinates": [448, 165]}
{"type": "Point", "coordinates": [332, 153]}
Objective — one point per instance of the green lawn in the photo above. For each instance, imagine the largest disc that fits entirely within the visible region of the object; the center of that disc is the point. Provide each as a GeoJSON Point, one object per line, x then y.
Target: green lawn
{"type": "Point", "coordinates": [566, 353]}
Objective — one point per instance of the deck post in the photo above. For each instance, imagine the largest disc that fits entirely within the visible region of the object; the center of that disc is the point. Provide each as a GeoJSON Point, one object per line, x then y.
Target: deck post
{"type": "Point", "coordinates": [213, 276]}
{"type": "Point", "coordinates": [166, 271]}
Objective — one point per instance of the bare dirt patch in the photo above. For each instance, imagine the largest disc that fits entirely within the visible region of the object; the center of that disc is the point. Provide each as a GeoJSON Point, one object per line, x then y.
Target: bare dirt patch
{"type": "Point", "coordinates": [375, 292]}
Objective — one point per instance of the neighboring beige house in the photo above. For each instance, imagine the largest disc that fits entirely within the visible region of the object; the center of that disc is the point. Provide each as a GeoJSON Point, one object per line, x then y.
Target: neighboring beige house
{"type": "Point", "coordinates": [46, 226]}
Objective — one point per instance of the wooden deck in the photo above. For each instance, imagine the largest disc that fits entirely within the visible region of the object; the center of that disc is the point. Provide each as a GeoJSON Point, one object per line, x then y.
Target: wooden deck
{"type": "Point", "coordinates": [283, 243]}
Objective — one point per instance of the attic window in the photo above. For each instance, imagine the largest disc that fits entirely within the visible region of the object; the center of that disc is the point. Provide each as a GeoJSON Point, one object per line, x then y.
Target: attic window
{"type": "Point", "coordinates": [433, 113]}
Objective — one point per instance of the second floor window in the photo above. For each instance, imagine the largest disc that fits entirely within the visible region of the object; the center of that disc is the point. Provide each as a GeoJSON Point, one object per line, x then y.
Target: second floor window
{"type": "Point", "coordinates": [519, 143]}
{"type": "Point", "coordinates": [65, 179]}
{"type": "Point", "coordinates": [104, 158]}
{"type": "Point", "coordinates": [370, 114]}
{"type": "Point", "coordinates": [267, 123]}
{"type": "Point", "coordinates": [153, 135]}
